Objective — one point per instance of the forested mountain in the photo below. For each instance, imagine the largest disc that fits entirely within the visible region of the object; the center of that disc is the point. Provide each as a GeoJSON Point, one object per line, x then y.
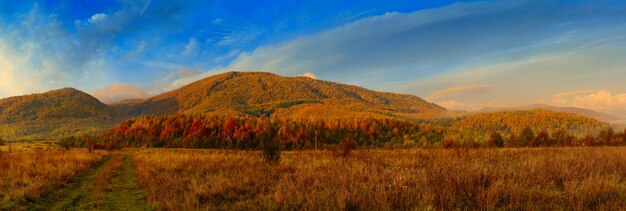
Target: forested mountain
{"type": "Point", "coordinates": [53, 114]}
{"type": "Point", "coordinates": [266, 94]}
{"type": "Point", "coordinates": [68, 111]}
{"type": "Point", "coordinates": [574, 110]}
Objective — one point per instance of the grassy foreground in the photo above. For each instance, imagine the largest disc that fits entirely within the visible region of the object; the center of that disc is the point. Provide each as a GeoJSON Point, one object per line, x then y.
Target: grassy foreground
{"type": "Point", "coordinates": [436, 179]}
{"type": "Point", "coordinates": [541, 178]}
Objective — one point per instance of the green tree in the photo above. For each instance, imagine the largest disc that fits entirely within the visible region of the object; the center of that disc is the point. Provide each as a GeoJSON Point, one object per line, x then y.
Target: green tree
{"type": "Point", "coordinates": [542, 139]}
{"type": "Point", "coordinates": [495, 140]}
{"type": "Point", "coordinates": [526, 137]}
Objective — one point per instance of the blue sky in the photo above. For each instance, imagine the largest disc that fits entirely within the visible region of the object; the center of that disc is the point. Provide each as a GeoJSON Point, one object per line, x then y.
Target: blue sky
{"type": "Point", "coordinates": [462, 55]}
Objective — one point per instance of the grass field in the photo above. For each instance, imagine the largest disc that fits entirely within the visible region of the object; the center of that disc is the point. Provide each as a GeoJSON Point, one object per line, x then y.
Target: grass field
{"type": "Point", "coordinates": [28, 173]}
{"type": "Point", "coordinates": [549, 178]}
{"type": "Point", "coordinates": [439, 179]}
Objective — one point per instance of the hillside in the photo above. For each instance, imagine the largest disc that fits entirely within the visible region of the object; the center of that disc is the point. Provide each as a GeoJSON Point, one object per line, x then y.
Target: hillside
{"type": "Point", "coordinates": [267, 94]}
{"type": "Point", "coordinates": [53, 114]}
{"type": "Point", "coordinates": [574, 110]}
{"type": "Point", "coordinates": [537, 120]}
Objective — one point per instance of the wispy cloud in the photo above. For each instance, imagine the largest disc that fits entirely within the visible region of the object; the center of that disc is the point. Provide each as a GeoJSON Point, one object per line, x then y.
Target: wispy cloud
{"type": "Point", "coordinates": [145, 7]}
{"type": "Point", "coordinates": [461, 92]}
{"type": "Point", "coordinates": [191, 48]}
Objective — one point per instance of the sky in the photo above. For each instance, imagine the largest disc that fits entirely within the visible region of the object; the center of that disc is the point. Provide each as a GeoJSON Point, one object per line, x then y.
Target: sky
{"type": "Point", "coordinates": [463, 55]}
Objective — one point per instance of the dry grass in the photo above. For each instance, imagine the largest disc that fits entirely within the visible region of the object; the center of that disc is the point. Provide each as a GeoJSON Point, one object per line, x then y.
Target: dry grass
{"type": "Point", "coordinates": [550, 178]}
{"type": "Point", "coordinates": [28, 173]}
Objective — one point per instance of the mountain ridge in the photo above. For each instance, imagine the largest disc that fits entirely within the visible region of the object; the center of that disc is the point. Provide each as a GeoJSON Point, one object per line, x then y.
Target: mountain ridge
{"type": "Point", "coordinates": [68, 111]}
{"type": "Point", "coordinates": [261, 93]}
{"type": "Point", "coordinates": [568, 109]}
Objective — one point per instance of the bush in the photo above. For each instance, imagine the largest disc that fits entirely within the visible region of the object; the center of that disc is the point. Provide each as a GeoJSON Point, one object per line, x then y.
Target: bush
{"type": "Point", "coordinates": [526, 137]}
{"type": "Point", "coordinates": [495, 140]}
{"type": "Point", "coordinates": [1, 142]}
{"type": "Point", "coordinates": [271, 150]}
{"type": "Point", "coordinates": [347, 145]}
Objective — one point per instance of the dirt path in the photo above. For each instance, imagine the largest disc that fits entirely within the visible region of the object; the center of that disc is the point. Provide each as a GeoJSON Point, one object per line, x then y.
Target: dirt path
{"type": "Point", "coordinates": [110, 186]}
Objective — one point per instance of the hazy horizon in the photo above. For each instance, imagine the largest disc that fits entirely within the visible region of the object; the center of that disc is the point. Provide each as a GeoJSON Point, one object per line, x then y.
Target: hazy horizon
{"type": "Point", "coordinates": [461, 55]}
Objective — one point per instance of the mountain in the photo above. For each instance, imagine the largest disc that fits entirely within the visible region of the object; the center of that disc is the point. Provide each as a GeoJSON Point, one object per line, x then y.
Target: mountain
{"type": "Point", "coordinates": [536, 119]}
{"type": "Point", "coordinates": [260, 93]}
{"type": "Point", "coordinates": [574, 110]}
{"type": "Point", "coordinates": [68, 111]}
{"type": "Point", "coordinates": [53, 114]}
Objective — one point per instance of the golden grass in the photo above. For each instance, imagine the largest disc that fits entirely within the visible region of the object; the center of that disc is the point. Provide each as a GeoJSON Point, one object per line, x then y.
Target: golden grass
{"type": "Point", "coordinates": [28, 173]}
{"type": "Point", "coordinates": [548, 178]}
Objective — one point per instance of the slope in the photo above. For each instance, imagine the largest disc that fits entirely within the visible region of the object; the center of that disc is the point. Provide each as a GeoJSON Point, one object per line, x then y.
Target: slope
{"type": "Point", "coordinates": [265, 94]}
{"type": "Point", "coordinates": [53, 114]}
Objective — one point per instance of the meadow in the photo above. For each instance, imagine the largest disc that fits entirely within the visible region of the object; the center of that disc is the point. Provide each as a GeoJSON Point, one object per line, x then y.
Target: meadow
{"type": "Point", "coordinates": [440, 179]}
{"type": "Point", "coordinates": [577, 178]}
{"type": "Point", "coordinates": [29, 171]}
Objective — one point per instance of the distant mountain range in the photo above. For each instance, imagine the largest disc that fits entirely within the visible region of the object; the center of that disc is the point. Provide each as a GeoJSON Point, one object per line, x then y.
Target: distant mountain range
{"type": "Point", "coordinates": [66, 112]}
{"type": "Point", "coordinates": [574, 110]}
{"type": "Point", "coordinates": [69, 111]}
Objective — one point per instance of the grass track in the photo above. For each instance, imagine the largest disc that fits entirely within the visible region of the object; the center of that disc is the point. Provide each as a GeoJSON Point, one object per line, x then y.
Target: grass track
{"type": "Point", "coordinates": [108, 186]}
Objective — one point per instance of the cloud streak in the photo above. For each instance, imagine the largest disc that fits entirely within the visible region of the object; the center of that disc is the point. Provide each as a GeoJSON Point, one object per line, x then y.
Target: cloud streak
{"type": "Point", "coordinates": [461, 92]}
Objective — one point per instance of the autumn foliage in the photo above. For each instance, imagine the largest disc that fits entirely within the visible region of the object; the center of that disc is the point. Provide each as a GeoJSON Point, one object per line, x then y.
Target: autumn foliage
{"type": "Point", "coordinates": [207, 131]}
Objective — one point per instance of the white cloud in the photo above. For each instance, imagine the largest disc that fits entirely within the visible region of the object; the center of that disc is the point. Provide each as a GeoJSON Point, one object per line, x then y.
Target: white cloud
{"type": "Point", "coordinates": [97, 18]}
{"type": "Point", "coordinates": [118, 92]}
{"type": "Point", "coordinates": [461, 92]}
{"type": "Point", "coordinates": [601, 99]}
{"type": "Point", "coordinates": [310, 75]}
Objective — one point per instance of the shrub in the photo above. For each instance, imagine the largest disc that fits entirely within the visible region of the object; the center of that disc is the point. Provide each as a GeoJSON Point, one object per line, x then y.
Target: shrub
{"type": "Point", "coordinates": [271, 150]}
{"type": "Point", "coordinates": [347, 145]}
{"type": "Point", "coordinates": [1, 141]}
{"type": "Point", "coordinates": [526, 137]}
{"type": "Point", "coordinates": [495, 140]}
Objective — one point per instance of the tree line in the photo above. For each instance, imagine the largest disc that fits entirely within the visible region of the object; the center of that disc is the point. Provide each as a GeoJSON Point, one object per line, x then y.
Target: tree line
{"type": "Point", "coordinates": [206, 131]}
